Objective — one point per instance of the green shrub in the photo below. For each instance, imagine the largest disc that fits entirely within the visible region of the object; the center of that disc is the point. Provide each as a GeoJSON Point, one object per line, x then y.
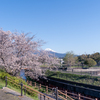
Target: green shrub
{"type": "Point", "coordinates": [42, 90]}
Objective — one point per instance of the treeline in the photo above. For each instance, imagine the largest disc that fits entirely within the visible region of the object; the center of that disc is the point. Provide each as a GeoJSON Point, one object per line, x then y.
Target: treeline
{"type": "Point", "coordinates": [88, 60]}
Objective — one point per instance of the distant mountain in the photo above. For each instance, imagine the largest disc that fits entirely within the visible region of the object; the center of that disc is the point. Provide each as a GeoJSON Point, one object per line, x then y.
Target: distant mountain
{"type": "Point", "coordinates": [56, 54]}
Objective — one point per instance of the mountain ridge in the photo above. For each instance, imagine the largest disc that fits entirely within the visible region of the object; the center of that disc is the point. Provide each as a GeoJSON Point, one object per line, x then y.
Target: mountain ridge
{"type": "Point", "coordinates": [56, 54]}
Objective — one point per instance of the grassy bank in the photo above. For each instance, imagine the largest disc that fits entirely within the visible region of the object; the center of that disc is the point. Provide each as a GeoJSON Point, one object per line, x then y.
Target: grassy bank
{"type": "Point", "coordinates": [87, 79]}
{"type": "Point", "coordinates": [13, 86]}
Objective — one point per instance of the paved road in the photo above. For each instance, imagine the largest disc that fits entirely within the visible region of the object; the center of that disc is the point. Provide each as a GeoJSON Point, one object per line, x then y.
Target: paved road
{"type": "Point", "coordinates": [8, 94]}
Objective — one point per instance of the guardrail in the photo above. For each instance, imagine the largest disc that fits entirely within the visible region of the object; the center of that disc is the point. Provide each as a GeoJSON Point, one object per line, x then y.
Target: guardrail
{"type": "Point", "coordinates": [75, 96]}
{"type": "Point", "coordinates": [25, 87]}
{"type": "Point", "coordinates": [64, 95]}
{"type": "Point", "coordinates": [49, 90]}
{"type": "Point", "coordinates": [61, 94]}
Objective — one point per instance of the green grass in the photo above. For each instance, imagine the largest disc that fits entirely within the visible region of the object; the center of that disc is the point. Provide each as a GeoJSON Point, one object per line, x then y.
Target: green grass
{"type": "Point", "coordinates": [13, 86]}
{"type": "Point", "coordinates": [2, 84]}
{"type": "Point", "coordinates": [87, 79]}
{"type": "Point", "coordinates": [17, 88]}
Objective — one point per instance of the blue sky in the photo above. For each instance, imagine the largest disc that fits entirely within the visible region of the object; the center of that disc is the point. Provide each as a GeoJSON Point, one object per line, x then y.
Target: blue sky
{"type": "Point", "coordinates": [65, 25]}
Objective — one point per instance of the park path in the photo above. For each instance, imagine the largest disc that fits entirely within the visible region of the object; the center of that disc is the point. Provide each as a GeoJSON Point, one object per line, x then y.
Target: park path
{"type": "Point", "coordinates": [8, 94]}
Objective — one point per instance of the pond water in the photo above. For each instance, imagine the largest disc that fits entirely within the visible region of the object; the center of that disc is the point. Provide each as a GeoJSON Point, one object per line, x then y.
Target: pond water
{"type": "Point", "coordinates": [22, 74]}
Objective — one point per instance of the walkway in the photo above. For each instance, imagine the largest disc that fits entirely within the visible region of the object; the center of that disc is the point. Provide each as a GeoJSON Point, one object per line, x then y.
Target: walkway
{"type": "Point", "coordinates": [8, 94]}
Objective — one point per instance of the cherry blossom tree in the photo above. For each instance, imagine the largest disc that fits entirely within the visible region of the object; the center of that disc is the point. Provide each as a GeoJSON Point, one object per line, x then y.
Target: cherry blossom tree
{"type": "Point", "coordinates": [25, 49]}
{"type": "Point", "coordinates": [19, 51]}
{"type": "Point", "coordinates": [48, 59]}
{"type": "Point", "coordinates": [6, 49]}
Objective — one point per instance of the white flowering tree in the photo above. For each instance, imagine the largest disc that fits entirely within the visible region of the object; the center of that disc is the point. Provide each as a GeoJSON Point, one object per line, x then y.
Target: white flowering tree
{"type": "Point", "coordinates": [6, 49]}
{"type": "Point", "coordinates": [48, 59]}
{"type": "Point", "coordinates": [20, 51]}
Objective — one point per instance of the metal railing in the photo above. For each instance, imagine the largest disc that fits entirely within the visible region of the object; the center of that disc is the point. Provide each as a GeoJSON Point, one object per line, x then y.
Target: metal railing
{"type": "Point", "coordinates": [55, 93]}
{"type": "Point", "coordinates": [26, 88]}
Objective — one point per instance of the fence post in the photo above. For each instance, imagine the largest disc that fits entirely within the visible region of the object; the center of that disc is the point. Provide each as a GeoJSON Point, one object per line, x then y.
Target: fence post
{"type": "Point", "coordinates": [35, 84]}
{"type": "Point", "coordinates": [44, 97]}
{"type": "Point", "coordinates": [30, 83]}
{"type": "Point", "coordinates": [25, 91]}
{"type": "Point", "coordinates": [27, 82]}
{"type": "Point", "coordinates": [6, 81]}
{"type": "Point", "coordinates": [52, 91]}
{"type": "Point", "coordinates": [40, 96]}
{"type": "Point", "coordinates": [21, 89]}
{"type": "Point", "coordinates": [79, 96]}
{"type": "Point", "coordinates": [56, 93]}
{"type": "Point", "coordinates": [46, 89]}
{"type": "Point", "coordinates": [66, 94]}
{"type": "Point", "coordinates": [40, 87]}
